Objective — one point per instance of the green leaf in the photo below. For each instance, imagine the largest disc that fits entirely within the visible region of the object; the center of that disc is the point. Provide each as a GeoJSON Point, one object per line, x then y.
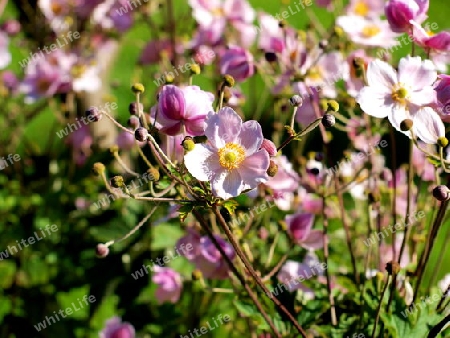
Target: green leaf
{"type": "Point", "coordinates": [166, 236]}
{"type": "Point", "coordinates": [185, 210]}
{"type": "Point", "coordinates": [230, 205]}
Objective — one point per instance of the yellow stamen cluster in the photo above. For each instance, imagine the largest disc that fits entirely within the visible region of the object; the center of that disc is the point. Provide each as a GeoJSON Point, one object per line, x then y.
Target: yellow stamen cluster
{"type": "Point", "coordinates": [400, 94]}
{"type": "Point", "coordinates": [370, 31]}
{"type": "Point", "coordinates": [231, 156]}
{"type": "Point", "coordinates": [361, 8]}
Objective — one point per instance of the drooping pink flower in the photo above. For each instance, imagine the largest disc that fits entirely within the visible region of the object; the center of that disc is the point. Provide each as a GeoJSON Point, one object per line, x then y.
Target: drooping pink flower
{"type": "Point", "coordinates": [372, 32]}
{"type": "Point", "coordinates": [210, 262]}
{"type": "Point", "coordinates": [231, 160]}
{"type": "Point", "coordinates": [237, 62]}
{"type": "Point", "coordinates": [300, 228]}
{"type": "Point", "coordinates": [169, 284]}
{"type": "Point", "coordinates": [399, 13]}
{"type": "Point", "coordinates": [408, 94]}
{"type": "Point", "coordinates": [439, 42]}
{"type": "Point", "coordinates": [180, 108]}
{"type": "Point", "coordinates": [114, 328]}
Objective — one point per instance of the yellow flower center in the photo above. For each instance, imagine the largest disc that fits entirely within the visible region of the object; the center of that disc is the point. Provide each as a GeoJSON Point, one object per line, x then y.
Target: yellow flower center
{"type": "Point", "coordinates": [430, 33]}
{"type": "Point", "coordinates": [370, 31]}
{"type": "Point", "coordinates": [231, 156]}
{"type": "Point", "coordinates": [218, 12]}
{"type": "Point", "coordinates": [315, 73]}
{"type": "Point", "coordinates": [400, 94]}
{"type": "Point", "coordinates": [78, 70]}
{"type": "Point", "coordinates": [361, 8]}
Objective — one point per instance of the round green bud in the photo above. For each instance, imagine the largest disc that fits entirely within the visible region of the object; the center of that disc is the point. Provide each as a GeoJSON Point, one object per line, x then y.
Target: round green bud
{"type": "Point", "coordinates": [153, 173]}
{"type": "Point", "coordinates": [138, 88]}
{"type": "Point", "coordinates": [117, 182]}
{"type": "Point", "coordinates": [98, 168]}
{"type": "Point", "coordinates": [228, 80]}
{"type": "Point", "coordinates": [333, 105]}
{"type": "Point", "coordinates": [442, 141]}
{"type": "Point", "coordinates": [406, 125]}
{"type": "Point", "coordinates": [188, 144]}
{"type": "Point", "coordinates": [273, 169]}
{"type": "Point", "coordinates": [195, 69]}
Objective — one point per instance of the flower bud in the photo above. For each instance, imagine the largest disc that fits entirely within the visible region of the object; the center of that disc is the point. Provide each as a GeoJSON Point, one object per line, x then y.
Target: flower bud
{"type": "Point", "coordinates": [93, 114]}
{"type": "Point", "coordinates": [333, 105]}
{"type": "Point", "coordinates": [138, 88]}
{"type": "Point", "coordinates": [296, 101]}
{"type": "Point", "coordinates": [168, 78]}
{"type": "Point", "coordinates": [270, 147]}
{"type": "Point", "coordinates": [393, 268]}
{"type": "Point", "coordinates": [406, 125]}
{"type": "Point", "coordinates": [101, 250]}
{"type": "Point", "coordinates": [197, 275]}
{"type": "Point", "coordinates": [328, 120]}
{"type": "Point", "coordinates": [228, 80]}
{"type": "Point", "coordinates": [442, 141]}
{"type": "Point", "coordinates": [188, 143]}
{"type": "Point", "coordinates": [133, 108]}
{"type": "Point", "coordinates": [323, 44]}
{"type": "Point", "coordinates": [133, 122]}
{"type": "Point", "coordinates": [273, 169]}
{"type": "Point", "coordinates": [441, 193]}
{"type": "Point", "coordinates": [141, 134]}
{"type": "Point", "coordinates": [114, 149]}
{"type": "Point", "coordinates": [117, 182]}
{"type": "Point", "coordinates": [98, 168]}
{"type": "Point", "coordinates": [154, 174]}
{"type": "Point", "coordinates": [195, 69]}
{"type": "Point", "coordinates": [271, 57]}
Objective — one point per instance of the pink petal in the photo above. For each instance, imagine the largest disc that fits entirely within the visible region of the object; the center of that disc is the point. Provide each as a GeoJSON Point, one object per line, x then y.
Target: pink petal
{"type": "Point", "coordinates": [253, 170]}
{"type": "Point", "coordinates": [227, 184]}
{"type": "Point", "coordinates": [428, 126]}
{"type": "Point", "coordinates": [416, 73]}
{"type": "Point", "coordinates": [202, 163]}
{"type": "Point", "coordinates": [314, 240]}
{"type": "Point", "coordinates": [195, 126]}
{"type": "Point", "coordinates": [251, 137]}
{"type": "Point", "coordinates": [375, 101]}
{"type": "Point", "coordinates": [223, 127]}
{"type": "Point", "coordinates": [423, 97]}
{"type": "Point", "coordinates": [381, 75]}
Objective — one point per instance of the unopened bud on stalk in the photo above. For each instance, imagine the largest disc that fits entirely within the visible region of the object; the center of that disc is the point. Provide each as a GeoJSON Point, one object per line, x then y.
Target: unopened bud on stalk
{"type": "Point", "coordinates": [328, 120]}
{"type": "Point", "coordinates": [281, 23]}
{"type": "Point", "coordinates": [270, 57]}
{"type": "Point", "coordinates": [133, 108]}
{"type": "Point", "coordinates": [296, 101]}
{"type": "Point", "coordinates": [273, 169]}
{"type": "Point", "coordinates": [141, 134]}
{"type": "Point", "coordinates": [154, 174]}
{"type": "Point", "coordinates": [114, 149]}
{"type": "Point", "coordinates": [138, 88]}
{"type": "Point", "coordinates": [98, 168]}
{"type": "Point", "coordinates": [101, 251]}
{"type": "Point", "coordinates": [323, 104]}
{"type": "Point", "coordinates": [228, 80]}
{"type": "Point", "coordinates": [188, 143]}
{"type": "Point", "coordinates": [133, 122]}
{"type": "Point", "coordinates": [406, 125]}
{"type": "Point", "coordinates": [441, 193]}
{"type": "Point", "coordinates": [195, 69]}
{"type": "Point", "coordinates": [168, 79]}
{"type": "Point", "coordinates": [117, 182]}
{"type": "Point", "coordinates": [323, 44]}
{"type": "Point", "coordinates": [197, 275]}
{"type": "Point", "coordinates": [442, 141]}
{"type": "Point", "coordinates": [392, 268]}
{"type": "Point", "coordinates": [333, 105]}
{"type": "Point", "coordinates": [374, 197]}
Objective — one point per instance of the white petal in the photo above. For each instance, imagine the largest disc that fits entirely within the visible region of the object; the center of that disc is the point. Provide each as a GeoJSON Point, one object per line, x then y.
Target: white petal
{"type": "Point", "coordinates": [397, 115]}
{"type": "Point", "coordinates": [374, 101]}
{"type": "Point", "coordinates": [428, 126]}
{"type": "Point", "coordinates": [227, 184]}
{"type": "Point", "coordinates": [201, 162]}
{"type": "Point", "coordinates": [416, 73]}
{"type": "Point", "coordinates": [381, 74]}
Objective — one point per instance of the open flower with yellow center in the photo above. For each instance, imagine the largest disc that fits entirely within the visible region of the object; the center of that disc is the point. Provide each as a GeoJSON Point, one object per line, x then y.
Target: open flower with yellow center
{"type": "Point", "coordinates": [406, 94]}
{"type": "Point", "coordinates": [365, 31]}
{"type": "Point", "coordinates": [365, 8]}
{"type": "Point", "coordinates": [231, 160]}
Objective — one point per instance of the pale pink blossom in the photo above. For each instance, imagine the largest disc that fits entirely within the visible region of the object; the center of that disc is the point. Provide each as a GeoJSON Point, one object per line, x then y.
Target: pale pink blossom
{"type": "Point", "coordinates": [300, 229]}
{"type": "Point", "coordinates": [231, 160]}
{"type": "Point", "coordinates": [169, 284]}
{"type": "Point", "coordinates": [407, 94]}
{"type": "Point", "coordinates": [372, 32]}
{"type": "Point", "coordinates": [115, 328]}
